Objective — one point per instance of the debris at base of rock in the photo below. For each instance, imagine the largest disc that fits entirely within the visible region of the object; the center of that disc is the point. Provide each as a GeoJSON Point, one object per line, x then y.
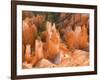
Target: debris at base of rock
{"type": "Point", "coordinates": [44, 63]}
{"type": "Point", "coordinates": [80, 57]}
{"type": "Point", "coordinates": [27, 65]}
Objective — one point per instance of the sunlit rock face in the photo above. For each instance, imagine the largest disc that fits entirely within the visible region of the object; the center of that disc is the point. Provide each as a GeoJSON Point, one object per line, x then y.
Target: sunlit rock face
{"type": "Point", "coordinates": [48, 41]}
{"type": "Point", "coordinates": [52, 42]}
{"type": "Point", "coordinates": [39, 49]}
{"type": "Point", "coordinates": [78, 38]}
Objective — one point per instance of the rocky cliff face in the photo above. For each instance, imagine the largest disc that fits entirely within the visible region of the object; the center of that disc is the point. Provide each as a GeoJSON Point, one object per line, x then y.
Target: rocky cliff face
{"type": "Point", "coordinates": [55, 39]}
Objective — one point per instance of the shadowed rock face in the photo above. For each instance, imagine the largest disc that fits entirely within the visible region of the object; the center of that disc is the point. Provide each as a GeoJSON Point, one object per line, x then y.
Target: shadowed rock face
{"type": "Point", "coordinates": [29, 32]}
